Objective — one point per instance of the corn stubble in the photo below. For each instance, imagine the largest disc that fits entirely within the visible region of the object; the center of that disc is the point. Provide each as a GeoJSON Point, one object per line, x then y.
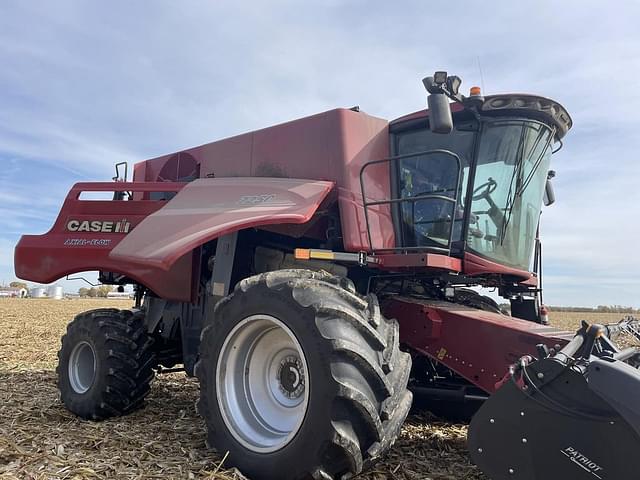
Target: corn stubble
{"type": "Point", "coordinates": [39, 439]}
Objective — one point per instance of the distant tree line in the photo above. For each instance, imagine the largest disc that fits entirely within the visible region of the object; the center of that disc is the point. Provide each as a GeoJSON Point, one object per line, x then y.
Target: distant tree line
{"type": "Point", "coordinates": [101, 291]}
{"type": "Point", "coordinates": [598, 309]}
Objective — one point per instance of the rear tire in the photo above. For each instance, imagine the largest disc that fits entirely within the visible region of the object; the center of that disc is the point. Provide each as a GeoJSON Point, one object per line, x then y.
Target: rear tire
{"type": "Point", "coordinates": [344, 377]}
{"type": "Point", "coordinates": [105, 363]}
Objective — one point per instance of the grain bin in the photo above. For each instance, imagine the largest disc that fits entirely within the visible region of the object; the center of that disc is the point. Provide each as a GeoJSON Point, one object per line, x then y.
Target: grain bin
{"type": "Point", "coordinates": [55, 292]}
{"type": "Point", "coordinates": [38, 292]}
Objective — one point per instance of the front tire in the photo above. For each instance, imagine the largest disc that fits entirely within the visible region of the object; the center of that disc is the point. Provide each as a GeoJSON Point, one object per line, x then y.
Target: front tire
{"type": "Point", "coordinates": [300, 376]}
{"type": "Point", "coordinates": [105, 363]}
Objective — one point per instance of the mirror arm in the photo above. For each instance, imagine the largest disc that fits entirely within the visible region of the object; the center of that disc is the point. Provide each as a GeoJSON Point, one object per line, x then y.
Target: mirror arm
{"type": "Point", "coordinates": [559, 147]}
{"type": "Point", "coordinates": [470, 104]}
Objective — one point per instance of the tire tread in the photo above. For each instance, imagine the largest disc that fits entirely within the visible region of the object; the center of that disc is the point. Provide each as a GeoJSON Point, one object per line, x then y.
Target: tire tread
{"type": "Point", "coordinates": [129, 362]}
{"type": "Point", "coordinates": [371, 405]}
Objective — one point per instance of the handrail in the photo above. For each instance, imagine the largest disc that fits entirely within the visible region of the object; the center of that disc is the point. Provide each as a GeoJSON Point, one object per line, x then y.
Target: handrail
{"type": "Point", "coordinates": [430, 196]}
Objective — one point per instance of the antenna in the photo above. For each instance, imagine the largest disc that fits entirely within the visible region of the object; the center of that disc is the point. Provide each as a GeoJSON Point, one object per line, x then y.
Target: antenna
{"type": "Point", "coordinates": [481, 76]}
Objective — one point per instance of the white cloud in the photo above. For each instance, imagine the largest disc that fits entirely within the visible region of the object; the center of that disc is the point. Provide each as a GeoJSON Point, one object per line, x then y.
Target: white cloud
{"type": "Point", "coordinates": [86, 85]}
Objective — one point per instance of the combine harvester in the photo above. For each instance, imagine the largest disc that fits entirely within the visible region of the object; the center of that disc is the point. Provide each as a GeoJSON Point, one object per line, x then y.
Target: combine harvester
{"type": "Point", "coordinates": [299, 272]}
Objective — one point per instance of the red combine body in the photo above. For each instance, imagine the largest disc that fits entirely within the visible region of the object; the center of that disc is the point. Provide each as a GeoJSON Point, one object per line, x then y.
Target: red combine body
{"type": "Point", "coordinates": [352, 242]}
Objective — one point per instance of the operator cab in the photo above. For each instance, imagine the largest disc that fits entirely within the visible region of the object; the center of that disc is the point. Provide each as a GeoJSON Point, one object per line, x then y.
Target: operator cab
{"type": "Point", "coordinates": [480, 187]}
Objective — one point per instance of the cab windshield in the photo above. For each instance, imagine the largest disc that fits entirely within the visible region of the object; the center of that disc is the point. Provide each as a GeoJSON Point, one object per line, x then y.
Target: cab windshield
{"type": "Point", "coordinates": [502, 207]}
{"type": "Point", "coordinates": [512, 164]}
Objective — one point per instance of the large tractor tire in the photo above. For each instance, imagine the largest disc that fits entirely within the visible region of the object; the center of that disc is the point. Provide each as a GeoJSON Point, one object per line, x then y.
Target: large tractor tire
{"type": "Point", "coordinates": [301, 377]}
{"type": "Point", "coordinates": [105, 363]}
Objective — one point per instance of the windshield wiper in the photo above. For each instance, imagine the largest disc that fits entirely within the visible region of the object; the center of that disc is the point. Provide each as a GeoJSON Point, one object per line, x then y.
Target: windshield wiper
{"type": "Point", "coordinates": [511, 196]}
{"type": "Point", "coordinates": [521, 185]}
{"type": "Point", "coordinates": [538, 161]}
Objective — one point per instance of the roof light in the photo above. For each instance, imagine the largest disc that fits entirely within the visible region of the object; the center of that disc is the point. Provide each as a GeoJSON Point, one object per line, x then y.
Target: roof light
{"type": "Point", "coordinates": [474, 92]}
{"type": "Point", "coordinates": [440, 78]}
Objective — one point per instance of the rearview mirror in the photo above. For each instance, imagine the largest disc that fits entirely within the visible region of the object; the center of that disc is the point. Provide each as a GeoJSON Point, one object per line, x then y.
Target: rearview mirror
{"type": "Point", "coordinates": [440, 119]}
{"type": "Point", "coordinates": [549, 193]}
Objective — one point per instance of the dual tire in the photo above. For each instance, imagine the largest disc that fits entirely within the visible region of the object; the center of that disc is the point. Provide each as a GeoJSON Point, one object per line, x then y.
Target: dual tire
{"type": "Point", "coordinates": [105, 363]}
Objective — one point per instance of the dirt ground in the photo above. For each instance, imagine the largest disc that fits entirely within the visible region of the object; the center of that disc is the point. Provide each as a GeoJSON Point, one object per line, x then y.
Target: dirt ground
{"type": "Point", "coordinates": [39, 439]}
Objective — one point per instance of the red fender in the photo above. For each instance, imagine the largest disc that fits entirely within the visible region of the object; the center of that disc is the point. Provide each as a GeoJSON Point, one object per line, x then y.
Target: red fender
{"type": "Point", "coordinates": [208, 208]}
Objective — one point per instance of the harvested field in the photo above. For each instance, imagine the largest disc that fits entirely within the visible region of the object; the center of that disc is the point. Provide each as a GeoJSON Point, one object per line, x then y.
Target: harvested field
{"type": "Point", "coordinates": [39, 439]}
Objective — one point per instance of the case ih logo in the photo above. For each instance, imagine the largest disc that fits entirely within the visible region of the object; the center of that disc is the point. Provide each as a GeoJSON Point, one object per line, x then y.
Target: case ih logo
{"type": "Point", "coordinates": [103, 226]}
{"type": "Point", "coordinates": [583, 462]}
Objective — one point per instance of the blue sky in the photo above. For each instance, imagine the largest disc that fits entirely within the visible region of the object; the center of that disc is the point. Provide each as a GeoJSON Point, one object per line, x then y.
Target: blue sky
{"type": "Point", "coordinates": [86, 84]}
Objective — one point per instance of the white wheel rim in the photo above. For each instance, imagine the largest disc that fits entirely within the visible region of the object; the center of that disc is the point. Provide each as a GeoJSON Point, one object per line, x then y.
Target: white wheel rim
{"type": "Point", "coordinates": [262, 383]}
{"type": "Point", "coordinates": [82, 367]}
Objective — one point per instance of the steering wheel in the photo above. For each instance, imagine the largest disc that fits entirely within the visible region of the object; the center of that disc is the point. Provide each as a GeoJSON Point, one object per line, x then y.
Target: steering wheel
{"type": "Point", "coordinates": [486, 189]}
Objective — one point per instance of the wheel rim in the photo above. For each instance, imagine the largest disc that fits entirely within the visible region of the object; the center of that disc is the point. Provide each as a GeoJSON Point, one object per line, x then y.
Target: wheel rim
{"type": "Point", "coordinates": [262, 383]}
{"type": "Point", "coordinates": [82, 367]}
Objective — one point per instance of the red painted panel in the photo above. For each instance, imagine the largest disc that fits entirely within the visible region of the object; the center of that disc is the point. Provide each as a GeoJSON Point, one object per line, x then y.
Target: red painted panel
{"type": "Point", "coordinates": [363, 139]}
{"type": "Point", "coordinates": [417, 260]}
{"type": "Point", "coordinates": [61, 251]}
{"type": "Point", "coordinates": [210, 207]}
{"type": "Point", "coordinates": [476, 265]}
{"type": "Point", "coordinates": [330, 146]}
{"type": "Point", "coordinates": [477, 345]}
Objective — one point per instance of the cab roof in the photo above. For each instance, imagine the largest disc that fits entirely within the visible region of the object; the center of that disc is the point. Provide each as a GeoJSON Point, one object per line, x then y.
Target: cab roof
{"type": "Point", "coordinates": [542, 108]}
